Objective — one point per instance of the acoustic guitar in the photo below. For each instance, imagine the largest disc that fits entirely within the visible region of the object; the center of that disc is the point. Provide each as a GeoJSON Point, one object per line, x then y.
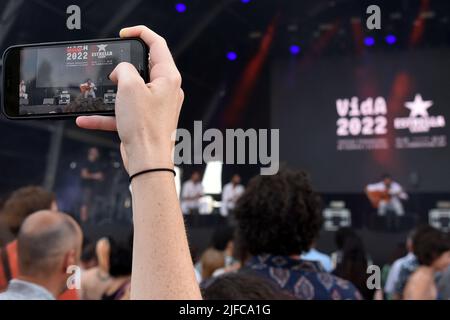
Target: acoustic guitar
{"type": "Point", "coordinates": [375, 197]}
{"type": "Point", "coordinates": [85, 88]}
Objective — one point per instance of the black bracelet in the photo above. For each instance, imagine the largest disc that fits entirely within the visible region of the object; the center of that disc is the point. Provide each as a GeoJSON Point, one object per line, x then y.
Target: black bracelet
{"type": "Point", "coordinates": [152, 170]}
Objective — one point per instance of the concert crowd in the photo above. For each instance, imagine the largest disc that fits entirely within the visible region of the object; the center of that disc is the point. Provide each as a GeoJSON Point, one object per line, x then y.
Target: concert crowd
{"type": "Point", "coordinates": [265, 250]}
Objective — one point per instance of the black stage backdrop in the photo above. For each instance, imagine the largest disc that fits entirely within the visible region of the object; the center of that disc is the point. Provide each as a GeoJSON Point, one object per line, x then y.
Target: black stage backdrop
{"type": "Point", "coordinates": [348, 120]}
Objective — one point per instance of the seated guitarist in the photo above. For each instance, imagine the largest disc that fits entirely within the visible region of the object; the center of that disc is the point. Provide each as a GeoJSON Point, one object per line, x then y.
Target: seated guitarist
{"type": "Point", "coordinates": [88, 89]}
{"type": "Point", "coordinates": [387, 195]}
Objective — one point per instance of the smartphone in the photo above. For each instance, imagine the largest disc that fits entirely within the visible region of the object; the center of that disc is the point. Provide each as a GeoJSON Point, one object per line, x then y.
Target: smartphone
{"type": "Point", "coordinates": [66, 79]}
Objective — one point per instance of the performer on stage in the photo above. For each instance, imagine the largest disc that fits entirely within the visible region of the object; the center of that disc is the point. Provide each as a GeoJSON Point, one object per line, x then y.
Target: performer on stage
{"type": "Point", "coordinates": [230, 194]}
{"type": "Point", "coordinates": [88, 89]}
{"type": "Point", "coordinates": [91, 177]}
{"type": "Point", "coordinates": [386, 196]}
{"type": "Point", "coordinates": [191, 193]}
{"type": "Point", "coordinates": [23, 90]}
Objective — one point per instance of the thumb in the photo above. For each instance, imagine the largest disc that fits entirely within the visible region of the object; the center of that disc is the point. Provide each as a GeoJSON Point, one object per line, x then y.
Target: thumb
{"type": "Point", "coordinates": [125, 72]}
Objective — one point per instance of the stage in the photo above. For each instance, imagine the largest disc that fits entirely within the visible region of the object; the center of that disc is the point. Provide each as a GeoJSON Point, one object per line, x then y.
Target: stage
{"type": "Point", "coordinates": [379, 241]}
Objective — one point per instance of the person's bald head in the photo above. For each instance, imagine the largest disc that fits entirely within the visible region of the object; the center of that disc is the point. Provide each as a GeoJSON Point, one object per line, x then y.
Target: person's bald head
{"type": "Point", "coordinates": [48, 243]}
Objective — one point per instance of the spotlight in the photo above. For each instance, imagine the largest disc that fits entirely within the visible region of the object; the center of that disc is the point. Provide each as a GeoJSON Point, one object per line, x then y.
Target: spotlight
{"type": "Point", "coordinates": [245, 1]}
{"type": "Point", "coordinates": [391, 39]}
{"type": "Point", "coordinates": [294, 49]}
{"type": "Point", "coordinates": [180, 7]}
{"type": "Point", "coordinates": [231, 55]}
{"type": "Point", "coordinates": [369, 41]}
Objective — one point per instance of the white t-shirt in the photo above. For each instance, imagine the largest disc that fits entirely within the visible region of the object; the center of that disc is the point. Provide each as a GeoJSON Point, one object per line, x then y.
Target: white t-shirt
{"type": "Point", "coordinates": [395, 189]}
{"type": "Point", "coordinates": [189, 190]}
{"type": "Point", "coordinates": [230, 195]}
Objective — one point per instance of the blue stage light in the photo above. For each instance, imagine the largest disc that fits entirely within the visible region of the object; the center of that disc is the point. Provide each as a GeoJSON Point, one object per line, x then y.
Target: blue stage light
{"type": "Point", "coordinates": [391, 39]}
{"type": "Point", "coordinates": [231, 55]}
{"type": "Point", "coordinates": [294, 49]}
{"type": "Point", "coordinates": [369, 41]}
{"type": "Point", "coordinates": [180, 7]}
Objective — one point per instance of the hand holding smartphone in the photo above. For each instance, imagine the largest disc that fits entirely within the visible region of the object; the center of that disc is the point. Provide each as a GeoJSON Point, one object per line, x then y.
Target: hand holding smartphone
{"type": "Point", "coordinates": [66, 79]}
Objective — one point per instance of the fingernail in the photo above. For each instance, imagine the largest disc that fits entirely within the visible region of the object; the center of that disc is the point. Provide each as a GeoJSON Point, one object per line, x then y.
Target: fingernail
{"type": "Point", "coordinates": [122, 32]}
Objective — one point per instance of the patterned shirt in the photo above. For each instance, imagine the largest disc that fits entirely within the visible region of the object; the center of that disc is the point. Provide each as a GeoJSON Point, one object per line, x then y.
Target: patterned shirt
{"type": "Point", "coordinates": [406, 270]}
{"type": "Point", "coordinates": [306, 280]}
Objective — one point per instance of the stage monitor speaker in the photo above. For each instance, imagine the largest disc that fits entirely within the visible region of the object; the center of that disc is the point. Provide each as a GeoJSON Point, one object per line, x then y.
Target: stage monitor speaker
{"type": "Point", "coordinates": [64, 98]}
{"type": "Point", "coordinates": [336, 218]}
{"type": "Point", "coordinates": [109, 97]}
{"type": "Point", "coordinates": [48, 101]}
{"type": "Point", "coordinates": [439, 218]}
{"type": "Point", "coordinates": [23, 102]}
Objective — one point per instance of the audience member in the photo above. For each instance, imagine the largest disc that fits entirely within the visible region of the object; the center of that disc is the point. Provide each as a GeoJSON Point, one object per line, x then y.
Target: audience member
{"type": "Point", "coordinates": [409, 266]}
{"type": "Point", "coordinates": [243, 286]}
{"type": "Point", "coordinates": [444, 285]}
{"type": "Point", "coordinates": [398, 252]}
{"type": "Point", "coordinates": [211, 260]}
{"type": "Point", "coordinates": [315, 255]}
{"type": "Point", "coordinates": [88, 256]}
{"type": "Point", "coordinates": [95, 281]}
{"type": "Point", "coordinates": [279, 217]}
{"type": "Point", "coordinates": [223, 240]}
{"type": "Point", "coordinates": [239, 257]}
{"type": "Point", "coordinates": [120, 264]}
{"type": "Point", "coordinates": [353, 265]}
{"type": "Point", "coordinates": [19, 205]}
{"type": "Point", "coordinates": [394, 273]}
{"type": "Point", "coordinates": [339, 240]}
{"type": "Point", "coordinates": [432, 249]}
{"type": "Point", "coordinates": [49, 242]}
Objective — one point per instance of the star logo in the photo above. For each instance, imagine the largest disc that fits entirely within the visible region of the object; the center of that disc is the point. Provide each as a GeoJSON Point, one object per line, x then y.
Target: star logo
{"type": "Point", "coordinates": [102, 47]}
{"type": "Point", "coordinates": [418, 107]}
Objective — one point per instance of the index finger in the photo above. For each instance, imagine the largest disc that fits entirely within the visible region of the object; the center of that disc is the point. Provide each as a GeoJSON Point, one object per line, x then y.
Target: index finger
{"type": "Point", "coordinates": [163, 64]}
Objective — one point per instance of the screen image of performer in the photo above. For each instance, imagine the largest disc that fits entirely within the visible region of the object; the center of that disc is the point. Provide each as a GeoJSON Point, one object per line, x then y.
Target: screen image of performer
{"type": "Point", "coordinates": [88, 89]}
{"type": "Point", "coordinates": [387, 196]}
{"type": "Point", "coordinates": [23, 90]}
{"type": "Point", "coordinates": [191, 193]}
{"type": "Point", "coordinates": [230, 195]}
{"type": "Point", "coordinates": [91, 178]}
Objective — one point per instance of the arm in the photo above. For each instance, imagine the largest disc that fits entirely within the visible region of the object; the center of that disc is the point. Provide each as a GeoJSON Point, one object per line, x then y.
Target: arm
{"type": "Point", "coordinates": [225, 195]}
{"type": "Point", "coordinates": [146, 118]}
{"type": "Point", "coordinates": [184, 192]}
{"type": "Point", "coordinates": [186, 197]}
{"type": "Point", "coordinates": [162, 266]}
{"type": "Point", "coordinates": [85, 174]}
{"type": "Point", "coordinates": [398, 191]}
{"type": "Point", "coordinates": [191, 198]}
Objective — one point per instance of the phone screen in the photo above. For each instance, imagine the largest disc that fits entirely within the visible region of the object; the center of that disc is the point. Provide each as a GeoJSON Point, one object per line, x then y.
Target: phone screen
{"type": "Point", "coordinates": [70, 78]}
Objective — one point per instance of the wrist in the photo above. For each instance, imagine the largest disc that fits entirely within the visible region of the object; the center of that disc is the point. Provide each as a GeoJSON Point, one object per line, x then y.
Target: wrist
{"type": "Point", "coordinates": [146, 157]}
{"type": "Point", "coordinates": [148, 171]}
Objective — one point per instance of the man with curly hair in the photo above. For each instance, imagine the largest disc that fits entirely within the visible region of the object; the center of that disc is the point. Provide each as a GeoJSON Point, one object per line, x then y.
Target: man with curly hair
{"type": "Point", "coordinates": [279, 217]}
